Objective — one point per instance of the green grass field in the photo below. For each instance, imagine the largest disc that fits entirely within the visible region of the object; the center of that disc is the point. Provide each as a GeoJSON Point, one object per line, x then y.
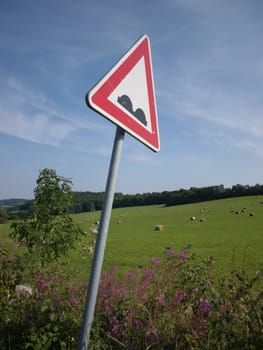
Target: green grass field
{"type": "Point", "coordinates": [225, 235]}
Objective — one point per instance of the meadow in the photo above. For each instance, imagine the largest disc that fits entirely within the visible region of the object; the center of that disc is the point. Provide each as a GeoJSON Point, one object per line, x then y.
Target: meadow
{"type": "Point", "coordinates": [228, 237]}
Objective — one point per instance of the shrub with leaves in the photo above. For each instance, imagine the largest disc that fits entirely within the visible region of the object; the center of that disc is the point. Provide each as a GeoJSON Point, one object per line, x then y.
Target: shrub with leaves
{"type": "Point", "coordinates": [49, 232]}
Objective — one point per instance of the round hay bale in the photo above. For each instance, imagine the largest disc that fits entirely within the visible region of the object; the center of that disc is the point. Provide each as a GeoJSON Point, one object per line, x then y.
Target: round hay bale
{"type": "Point", "coordinates": [252, 213]}
{"type": "Point", "coordinates": [202, 219]}
{"type": "Point", "coordinates": [158, 228]}
{"type": "Point", "coordinates": [192, 218]}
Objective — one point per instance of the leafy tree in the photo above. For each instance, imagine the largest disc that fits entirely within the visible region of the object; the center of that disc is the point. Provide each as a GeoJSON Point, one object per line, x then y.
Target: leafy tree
{"type": "Point", "coordinates": [49, 231]}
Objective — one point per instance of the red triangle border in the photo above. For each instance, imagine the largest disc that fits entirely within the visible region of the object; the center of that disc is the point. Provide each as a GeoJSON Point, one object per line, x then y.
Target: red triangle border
{"type": "Point", "coordinates": [98, 100]}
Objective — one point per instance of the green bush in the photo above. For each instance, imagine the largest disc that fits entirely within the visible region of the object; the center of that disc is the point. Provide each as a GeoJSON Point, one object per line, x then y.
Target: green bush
{"type": "Point", "coordinates": [49, 231]}
{"type": "Point", "coordinates": [174, 302]}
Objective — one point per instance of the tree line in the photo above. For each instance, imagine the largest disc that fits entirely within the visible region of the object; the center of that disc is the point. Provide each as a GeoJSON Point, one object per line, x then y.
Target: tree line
{"type": "Point", "coordinates": [91, 201]}
{"type": "Point", "coordinates": [88, 201]}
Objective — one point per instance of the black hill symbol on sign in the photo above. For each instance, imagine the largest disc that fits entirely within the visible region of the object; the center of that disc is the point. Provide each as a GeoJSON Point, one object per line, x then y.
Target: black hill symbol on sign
{"type": "Point", "coordinates": [126, 102]}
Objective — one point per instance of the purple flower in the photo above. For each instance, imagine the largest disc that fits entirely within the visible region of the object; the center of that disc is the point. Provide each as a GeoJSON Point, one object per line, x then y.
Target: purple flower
{"type": "Point", "coordinates": [108, 307]}
{"type": "Point", "coordinates": [54, 296]}
{"type": "Point", "coordinates": [114, 320]}
{"type": "Point", "coordinates": [150, 331]}
{"type": "Point", "coordinates": [73, 301]}
{"type": "Point", "coordinates": [183, 255]}
{"type": "Point", "coordinates": [151, 335]}
{"type": "Point", "coordinates": [155, 260]}
{"type": "Point", "coordinates": [138, 324]}
{"type": "Point", "coordinates": [132, 275]}
{"type": "Point", "coordinates": [119, 291]}
{"type": "Point", "coordinates": [115, 330]}
{"type": "Point", "coordinates": [161, 300]}
{"type": "Point", "coordinates": [72, 289]}
{"type": "Point", "coordinates": [149, 273]}
{"type": "Point", "coordinates": [179, 296]}
{"type": "Point", "coordinates": [170, 251]}
{"type": "Point", "coordinates": [204, 305]}
{"type": "Point", "coordinates": [42, 284]}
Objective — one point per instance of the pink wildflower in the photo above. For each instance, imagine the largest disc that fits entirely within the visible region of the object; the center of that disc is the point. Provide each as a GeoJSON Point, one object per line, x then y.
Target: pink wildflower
{"type": "Point", "coordinates": [170, 251]}
{"type": "Point", "coordinates": [114, 320]}
{"type": "Point", "coordinates": [155, 260]}
{"type": "Point", "coordinates": [161, 300]}
{"type": "Point", "coordinates": [73, 301]}
{"type": "Point", "coordinates": [149, 272]}
{"type": "Point", "coordinates": [179, 296]}
{"type": "Point", "coordinates": [72, 289]}
{"type": "Point", "coordinates": [204, 305]}
{"type": "Point", "coordinates": [115, 330]}
{"type": "Point", "coordinates": [42, 284]}
{"type": "Point", "coordinates": [183, 255]}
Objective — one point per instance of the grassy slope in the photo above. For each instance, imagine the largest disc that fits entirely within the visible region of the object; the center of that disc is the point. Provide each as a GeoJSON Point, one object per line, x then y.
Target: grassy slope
{"type": "Point", "coordinates": [134, 241]}
{"type": "Point", "coordinates": [223, 235]}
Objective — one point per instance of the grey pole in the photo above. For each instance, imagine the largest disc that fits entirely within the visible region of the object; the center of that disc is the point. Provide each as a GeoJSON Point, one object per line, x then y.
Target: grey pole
{"type": "Point", "coordinates": [101, 241]}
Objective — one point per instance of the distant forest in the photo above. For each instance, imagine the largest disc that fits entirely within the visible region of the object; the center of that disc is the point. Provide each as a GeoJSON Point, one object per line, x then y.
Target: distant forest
{"type": "Point", "coordinates": [91, 201]}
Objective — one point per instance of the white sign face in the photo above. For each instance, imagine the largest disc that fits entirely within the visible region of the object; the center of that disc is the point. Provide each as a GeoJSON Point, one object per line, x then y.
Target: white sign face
{"type": "Point", "coordinates": [135, 87]}
{"type": "Point", "coordinates": [126, 95]}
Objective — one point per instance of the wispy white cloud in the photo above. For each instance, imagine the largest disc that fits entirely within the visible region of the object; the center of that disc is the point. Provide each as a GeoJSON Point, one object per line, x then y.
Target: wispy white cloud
{"type": "Point", "coordinates": [37, 128]}
{"type": "Point", "coordinates": [34, 117]}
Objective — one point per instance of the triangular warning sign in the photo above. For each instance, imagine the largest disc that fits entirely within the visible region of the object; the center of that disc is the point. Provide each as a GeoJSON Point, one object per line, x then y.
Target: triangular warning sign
{"type": "Point", "coordinates": [126, 95]}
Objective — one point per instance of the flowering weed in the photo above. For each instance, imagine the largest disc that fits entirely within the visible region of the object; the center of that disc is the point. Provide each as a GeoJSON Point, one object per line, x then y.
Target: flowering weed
{"type": "Point", "coordinates": [172, 303]}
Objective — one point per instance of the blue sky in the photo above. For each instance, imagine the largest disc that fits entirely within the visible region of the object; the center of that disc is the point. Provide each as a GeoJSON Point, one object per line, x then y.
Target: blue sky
{"type": "Point", "coordinates": [207, 60]}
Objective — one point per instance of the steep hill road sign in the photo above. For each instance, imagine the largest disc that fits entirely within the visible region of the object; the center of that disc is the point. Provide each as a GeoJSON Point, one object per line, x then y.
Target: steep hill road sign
{"type": "Point", "coordinates": [126, 95]}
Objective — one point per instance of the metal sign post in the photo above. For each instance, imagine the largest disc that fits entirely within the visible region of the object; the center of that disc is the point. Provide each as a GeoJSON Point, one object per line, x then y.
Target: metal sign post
{"type": "Point", "coordinates": [101, 241]}
{"type": "Point", "coordinates": [126, 97]}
